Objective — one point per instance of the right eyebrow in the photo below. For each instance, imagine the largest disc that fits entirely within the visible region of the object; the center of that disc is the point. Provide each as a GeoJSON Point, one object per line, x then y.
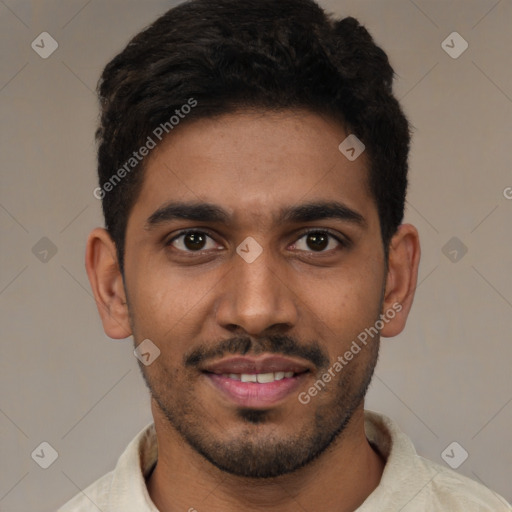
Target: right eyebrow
{"type": "Point", "coordinates": [201, 212]}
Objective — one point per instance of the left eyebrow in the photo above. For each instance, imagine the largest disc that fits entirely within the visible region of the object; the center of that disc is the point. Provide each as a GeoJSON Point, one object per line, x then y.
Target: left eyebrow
{"type": "Point", "coordinates": [207, 212]}
{"type": "Point", "coordinates": [322, 210]}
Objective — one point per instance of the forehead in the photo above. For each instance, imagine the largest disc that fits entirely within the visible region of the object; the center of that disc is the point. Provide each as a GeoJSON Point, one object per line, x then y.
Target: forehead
{"type": "Point", "coordinates": [254, 164]}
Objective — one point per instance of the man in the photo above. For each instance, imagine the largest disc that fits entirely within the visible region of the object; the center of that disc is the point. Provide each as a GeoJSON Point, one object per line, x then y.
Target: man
{"type": "Point", "coordinates": [253, 170]}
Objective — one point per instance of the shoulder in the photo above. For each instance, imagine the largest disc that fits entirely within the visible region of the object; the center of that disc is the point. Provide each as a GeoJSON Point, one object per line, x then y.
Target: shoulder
{"type": "Point", "coordinates": [124, 487]}
{"type": "Point", "coordinates": [449, 490]}
{"type": "Point", "coordinates": [412, 483]}
{"type": "Point", "coordinates": [91, 499]}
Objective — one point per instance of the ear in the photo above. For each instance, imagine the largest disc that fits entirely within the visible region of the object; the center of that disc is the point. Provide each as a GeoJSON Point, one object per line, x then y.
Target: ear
{"type": "Point", "coordinates": [403, 263]}
{"type": "Point", "coordinates": [107, 284]}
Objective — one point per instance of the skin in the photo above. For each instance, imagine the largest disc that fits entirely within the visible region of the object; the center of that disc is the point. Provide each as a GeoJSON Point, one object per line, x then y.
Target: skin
{"type": "Point", "coordinates": [252, 165]}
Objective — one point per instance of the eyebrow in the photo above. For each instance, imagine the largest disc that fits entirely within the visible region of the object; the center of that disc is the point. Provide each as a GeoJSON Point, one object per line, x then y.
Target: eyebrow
{"type": "Point", "coordinates": [207, 212]}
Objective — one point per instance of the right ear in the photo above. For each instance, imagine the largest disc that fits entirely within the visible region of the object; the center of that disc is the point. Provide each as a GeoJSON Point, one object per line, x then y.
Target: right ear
{"type": "Point", "coordinates": [107, 284]}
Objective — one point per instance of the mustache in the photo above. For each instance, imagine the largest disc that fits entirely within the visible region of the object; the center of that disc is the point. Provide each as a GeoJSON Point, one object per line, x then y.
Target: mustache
{"type": "Point", "coordinates": [242, 345]}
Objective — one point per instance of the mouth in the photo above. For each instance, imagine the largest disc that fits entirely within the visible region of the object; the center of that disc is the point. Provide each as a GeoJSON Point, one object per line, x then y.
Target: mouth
{"type": "Point", "coordinates": [256, 382]}
{"type": "Point", "coordinates": [261, 378]}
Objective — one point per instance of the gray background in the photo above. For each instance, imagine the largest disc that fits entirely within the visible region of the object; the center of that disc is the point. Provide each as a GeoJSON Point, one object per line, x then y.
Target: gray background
{"type": "Point", "coordinates": [445, 378]}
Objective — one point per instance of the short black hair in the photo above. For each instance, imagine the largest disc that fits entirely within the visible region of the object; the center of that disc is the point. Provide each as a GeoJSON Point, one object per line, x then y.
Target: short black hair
{"type": "Point", "coordinates": [222, 56]}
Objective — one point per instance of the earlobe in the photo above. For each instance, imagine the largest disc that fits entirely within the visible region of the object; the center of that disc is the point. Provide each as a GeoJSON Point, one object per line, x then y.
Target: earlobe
{"type": "Point", "coordinates": [107, 284]}
{"type": "Point", "coordinates": [401, 279]}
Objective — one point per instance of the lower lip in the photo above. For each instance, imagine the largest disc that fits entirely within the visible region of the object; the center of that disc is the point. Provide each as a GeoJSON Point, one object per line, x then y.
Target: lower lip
{"type": "Point", "coordinates": [253, 394]}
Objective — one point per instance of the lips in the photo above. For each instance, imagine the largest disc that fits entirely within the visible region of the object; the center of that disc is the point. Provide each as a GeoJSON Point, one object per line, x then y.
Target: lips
{"type": "Point", "coordinates": [261, 365]}
{"type": "Point", "coordinates": [256, 382]}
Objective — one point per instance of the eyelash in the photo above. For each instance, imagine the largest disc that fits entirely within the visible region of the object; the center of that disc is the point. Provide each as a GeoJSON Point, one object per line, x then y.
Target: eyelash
{"type": "Point", "coordinates": [344, 243]}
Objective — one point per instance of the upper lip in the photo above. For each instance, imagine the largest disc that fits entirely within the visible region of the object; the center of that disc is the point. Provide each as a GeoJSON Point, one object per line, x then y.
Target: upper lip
{"type": "Point", "coordinates": [262, 364]}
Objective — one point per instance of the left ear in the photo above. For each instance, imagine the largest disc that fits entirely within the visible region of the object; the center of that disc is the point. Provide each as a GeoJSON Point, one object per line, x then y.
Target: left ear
{"type": "Point", "coordinates": [403, 263]}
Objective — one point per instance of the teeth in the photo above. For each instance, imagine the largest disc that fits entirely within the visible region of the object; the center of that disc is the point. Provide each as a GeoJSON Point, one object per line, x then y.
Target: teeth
{"type": "Point", "coordinates": [265, 377]}
{"type": "Point", "coordinates": [261, 378]}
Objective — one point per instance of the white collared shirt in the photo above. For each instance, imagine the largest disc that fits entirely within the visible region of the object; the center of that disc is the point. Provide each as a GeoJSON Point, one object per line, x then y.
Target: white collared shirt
{"type": "Point", "coordinates": [409, 482]}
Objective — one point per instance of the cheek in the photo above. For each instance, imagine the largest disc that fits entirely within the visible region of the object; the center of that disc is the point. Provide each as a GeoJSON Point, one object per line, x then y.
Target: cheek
{"type": "Point", "coordinates": [342, 305]}
{"type": "Point", "coordinates": [348, 291]}
{"type": "Point", "coordinates": [166, 303]}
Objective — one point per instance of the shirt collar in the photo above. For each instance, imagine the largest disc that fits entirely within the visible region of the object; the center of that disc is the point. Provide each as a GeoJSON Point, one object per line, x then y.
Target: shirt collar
{"type": "Point", "coordinates": [129, 492]}
{"type": "Point", "coordinates": [128, 489]}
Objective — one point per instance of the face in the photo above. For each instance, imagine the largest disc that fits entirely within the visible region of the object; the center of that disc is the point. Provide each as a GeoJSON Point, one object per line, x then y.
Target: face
{"type": "Point", "coordinates": [254, 259]}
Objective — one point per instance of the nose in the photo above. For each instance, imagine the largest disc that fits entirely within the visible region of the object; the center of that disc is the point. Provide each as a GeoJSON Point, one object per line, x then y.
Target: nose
{"type": "Point", "coordinates": [256, 297]}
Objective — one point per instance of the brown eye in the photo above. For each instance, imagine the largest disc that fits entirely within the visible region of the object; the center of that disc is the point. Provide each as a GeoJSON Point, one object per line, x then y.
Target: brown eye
{"type": "Point", "coordinates": [192, 241]}
{"type": "Point", "coordinates": [318, 241]}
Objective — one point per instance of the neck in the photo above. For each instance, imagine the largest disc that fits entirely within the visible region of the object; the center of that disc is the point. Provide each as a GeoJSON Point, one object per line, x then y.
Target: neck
{"type": "Point", "coordinates": [340, 479]}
